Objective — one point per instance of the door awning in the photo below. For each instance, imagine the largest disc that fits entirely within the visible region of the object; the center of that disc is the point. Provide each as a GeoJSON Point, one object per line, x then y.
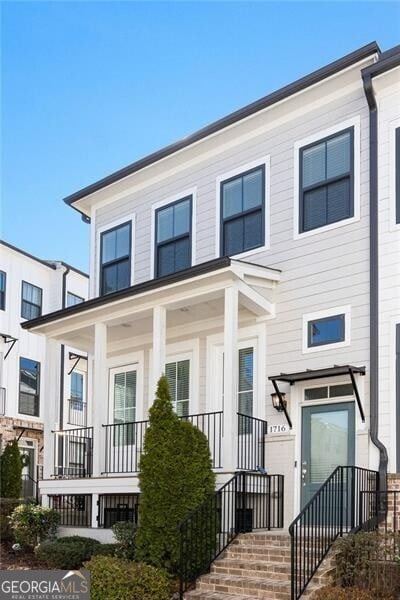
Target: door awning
{"type": "Point", "coordinates": [310, 374]}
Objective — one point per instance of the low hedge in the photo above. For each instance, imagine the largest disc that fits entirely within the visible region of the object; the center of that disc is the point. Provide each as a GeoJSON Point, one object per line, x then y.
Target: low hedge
{"type": "Point", "coordinates": [119, 579]}
{"type": "Point", "coordinates": [70, 552]}
{"type": "Point", "coordinates": [105, 550]}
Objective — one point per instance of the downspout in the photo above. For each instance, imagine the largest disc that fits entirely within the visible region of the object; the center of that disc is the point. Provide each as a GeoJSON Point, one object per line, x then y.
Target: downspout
{"type": "Point", "coordinates": [62, 364]}
{"type": "Point", "coordinates": [374, 278]}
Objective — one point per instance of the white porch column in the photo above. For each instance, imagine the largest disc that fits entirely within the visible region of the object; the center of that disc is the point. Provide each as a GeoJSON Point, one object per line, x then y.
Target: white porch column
{"type": "Point", "coordinates": [100, 397]}
{"type": "Point", "coordinates": [159, 344]}
{"type": "Point", "coordinates": [229, 456]}
{"type": "Point", "coordinates": [51, 410]}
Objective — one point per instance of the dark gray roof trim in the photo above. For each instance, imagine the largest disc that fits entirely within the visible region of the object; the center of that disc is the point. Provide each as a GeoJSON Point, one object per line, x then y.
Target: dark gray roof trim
{"type": "Point", "coordinates": [387, 60]}
{"type": "Point", "coordinates": [238, 115]}
{"type": "Point", "coordinates": [146, 286]}
{"type": "Point", "coordinates": [47, 263]}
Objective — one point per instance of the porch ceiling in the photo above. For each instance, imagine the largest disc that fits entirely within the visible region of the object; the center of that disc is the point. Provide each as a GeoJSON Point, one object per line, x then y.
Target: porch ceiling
{"type": "Point", "coordinates": [196, 295]}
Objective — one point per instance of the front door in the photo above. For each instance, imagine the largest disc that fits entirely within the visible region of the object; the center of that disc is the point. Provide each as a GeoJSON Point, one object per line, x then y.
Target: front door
{"type": "Point", "coordinates": [328, 440]}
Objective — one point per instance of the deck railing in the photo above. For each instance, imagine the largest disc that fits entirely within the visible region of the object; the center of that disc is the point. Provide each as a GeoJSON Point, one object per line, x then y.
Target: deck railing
{"type": "Point", "coordinates": [77, 412]}
{"type": "Point", "coordinates": [251, 443]}
{"type": "Point", "coordinates": [73, 452]}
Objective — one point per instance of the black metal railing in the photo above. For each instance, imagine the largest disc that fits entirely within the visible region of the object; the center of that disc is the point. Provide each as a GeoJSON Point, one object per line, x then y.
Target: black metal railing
{"type": "Point", "coordinates": [113, 508]}
{"type": "Point", "coordinates": [77, 412]}
{"type": "Point", "coordinates": [75, 510]}
{"type": "Point", "coordinates": [251, 442]}
{"type": "Point", "coordinates": [30, 485]}
{"type": "Point", "coordinates": [2, 401]}
{"type": "Point", "coordinates": [247, 501]}
{"type": "Point", "coordinates": [334, 509]}
{"type": "Point", "coordinates": [211, 425]}
{"type": "Point", "coordinates": [73, 452]}
{"type": "Point", "coordinates": [124, 441]}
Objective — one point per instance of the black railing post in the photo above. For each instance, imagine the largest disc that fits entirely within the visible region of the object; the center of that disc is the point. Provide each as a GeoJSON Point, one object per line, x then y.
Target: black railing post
{"type": "Point", "coordinates": [353, 496]}
{"type": "Point", "coordinates": [341, 505]}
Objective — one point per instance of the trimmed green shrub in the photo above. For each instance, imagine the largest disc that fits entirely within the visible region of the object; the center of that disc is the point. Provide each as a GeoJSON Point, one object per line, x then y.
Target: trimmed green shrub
{"type": "Point", "coordinates": [120, 579]}
{"type": "Point", "coordinates": [105, 550]}
{"type": "Point", "coordinates": [87, 544]}
{"type": "Point", "coordinates": [125, 532]}
{"type": "Point", "coordinates": [175, 477]}
{"type": "Point", "coordinates": [11, 464]}
{"type": "Point", "coordinates": [32, 524]}
{"type": "Point", "coordinates": [61, 556]}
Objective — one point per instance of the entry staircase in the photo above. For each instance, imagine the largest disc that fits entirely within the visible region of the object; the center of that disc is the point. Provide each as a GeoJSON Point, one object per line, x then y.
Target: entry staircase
{"type": "Point", "coordinates": [230, 552]}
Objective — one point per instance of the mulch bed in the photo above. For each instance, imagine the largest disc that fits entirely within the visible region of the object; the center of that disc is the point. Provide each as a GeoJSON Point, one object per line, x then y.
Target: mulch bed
{"type": "Point", "coordinates": [22, 560]}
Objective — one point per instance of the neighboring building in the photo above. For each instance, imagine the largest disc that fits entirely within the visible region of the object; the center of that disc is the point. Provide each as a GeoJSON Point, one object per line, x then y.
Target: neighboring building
{"type": "Point", "coordinates": [242, 262]}
{"type": "Point", "coordinates": [30, 287]}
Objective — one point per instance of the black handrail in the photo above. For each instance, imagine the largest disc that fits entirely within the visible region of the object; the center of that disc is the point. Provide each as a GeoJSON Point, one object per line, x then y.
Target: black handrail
{"type": "Point", "coordinates": [247, 501]}
{"type": "Point", "coordinates": [332, 511]}
{"type": "Point", "coordinates": [251, 442]}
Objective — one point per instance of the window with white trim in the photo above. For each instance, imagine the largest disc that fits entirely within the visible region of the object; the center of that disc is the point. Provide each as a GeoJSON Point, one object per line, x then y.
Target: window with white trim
{"type": "Point", "coordinates": [173, 243]}
{"type": "Point", "coordinates": [115, 258]}
{"type": "Point", "coordinates": [178, 376]}
{"type": "Point", "coordinates": [326, 187]}
{"type": "Point", "coordinates": [242, 212]}
{"type": "Point", "coordinates": [124, 409]}
{"type": "Point", "coordinates": [246, 388]}
{"type": "Point", "coordinates": [327, 330]}
{"type": "Point", "coordinates": [397, 173]}
{"type": "Point", "coordinates": [31, 301]}
{"type": "Point", "coordinates": [73, 299]}
{"type": "Point", "coordinates": [3, 279]}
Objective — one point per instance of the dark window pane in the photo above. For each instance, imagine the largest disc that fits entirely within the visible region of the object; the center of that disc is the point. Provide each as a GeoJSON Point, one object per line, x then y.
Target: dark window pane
{"type": "Point", "coordinates": [338, 155]}
{"type": "Point", "coordinates": [165, 224]}
{"type": "Point", "coordinates": [313, 165]}
{"type": "Point", "coordinates": [314, 209]}
{"type": "Point", "coordinates": [326, 331]}
{"type": "Point", "coordinates": [252, 189]}
{"type": "Point", "coordinates": [2, 290]}
{"type": "Point", "coordinates": [339, 201]}
{"type": "Point", "coordinates": [123, 241]}
{"type": "Point", "coordinates": [233, 237]}
{"type": "Point", "coordinates": [345, 389]}
{"type": "Point", "coordinates": [73, 299]}
{"type": "Point", "coordinates": [182, 254]}
{"type": "Point", "coordinates": [108, 246]}
{"type": "Point", "coordinates": [166, 259]}
{"type": "Point", "coordinates": [123, 274]}
{"type": "Point", "coordinates": [115, 243]}
{"type": "Point", "coordinates": [29, 387]}
{"type": "Point", "coordinates": [31, 305]}
{"type": "Point", "coordinates": [232, 197]}
{"type": "Point", "coordinates": [253, 230]}
{"type": "Point", "coordinates": [109, 281]}
{"type": "Point", "coordinates": [316, 393]}
{"type": "Point", "coordinates": [182, 217]}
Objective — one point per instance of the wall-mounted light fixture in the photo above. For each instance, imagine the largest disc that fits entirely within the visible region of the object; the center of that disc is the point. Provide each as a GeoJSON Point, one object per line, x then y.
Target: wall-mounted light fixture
{"type": "Point", "coordinates": [276, 403]}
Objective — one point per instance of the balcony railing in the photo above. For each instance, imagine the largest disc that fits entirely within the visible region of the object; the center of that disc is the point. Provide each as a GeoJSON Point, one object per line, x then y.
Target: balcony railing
{"type": "Point", "coordinates": [77, 412]}
{"type": "Point", "coordinates": [2, 401]}
{"type": "Point", "coordinates": [251, 443]}
{"type": "Point", "coordinates": [73, 452]}
{"type": "Point", "coordinates": [124, 441]}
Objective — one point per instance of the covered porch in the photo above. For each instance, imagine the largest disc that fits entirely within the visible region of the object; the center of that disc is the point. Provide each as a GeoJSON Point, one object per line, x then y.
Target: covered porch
{"type": "Point", "coordinates": [149, 327]}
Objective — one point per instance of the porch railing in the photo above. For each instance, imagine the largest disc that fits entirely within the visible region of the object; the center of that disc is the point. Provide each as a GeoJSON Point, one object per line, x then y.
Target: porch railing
{"type": "Point", "coordinates": [334, 509]}
{"type": "Point", "coordinates": [73, 452]}
{"type": "Point", "coordinates": [246, 502]}
{"type": "Point", "coordinates": [77, 412]}
{"type": "Point", "coordinates": [124, 441]}
{"type": "Point", "coordinates": [251, 442]}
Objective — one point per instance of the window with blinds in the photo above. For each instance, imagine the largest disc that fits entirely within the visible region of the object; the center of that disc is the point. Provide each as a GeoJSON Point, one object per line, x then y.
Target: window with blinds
{"type": "Point", "coordinates": [242, 212]}
{"type": "Point", "coordinates": [125, 406]}
{"type": "Point", "coordinates": [327, 181]}
{"type": "Point", "coordinates": [246, 387]}
{"type": "Point", "coordinates": [178, 375]}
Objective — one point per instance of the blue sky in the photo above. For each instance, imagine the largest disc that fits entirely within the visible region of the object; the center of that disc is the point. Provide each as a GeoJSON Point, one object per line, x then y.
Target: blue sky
{"type": "Point", "coordinates": [89, 87]}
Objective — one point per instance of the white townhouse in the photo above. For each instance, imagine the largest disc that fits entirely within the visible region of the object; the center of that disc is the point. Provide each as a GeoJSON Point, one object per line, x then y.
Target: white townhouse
{"type": "Point", "coordinates": [256, 263]}
{"type": "Point", "coordinates": [31, 287]}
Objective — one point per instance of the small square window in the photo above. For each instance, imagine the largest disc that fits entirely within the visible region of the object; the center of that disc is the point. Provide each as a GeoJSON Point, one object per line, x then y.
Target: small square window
{"type": "Point", "coordinates": [31, 301]}
{"type": "Point", "coordinates": [242, 212]}
{"type": "Point", "coordinates": [328, 330]}
{"type": "Point", "coordinates": [327, 181]}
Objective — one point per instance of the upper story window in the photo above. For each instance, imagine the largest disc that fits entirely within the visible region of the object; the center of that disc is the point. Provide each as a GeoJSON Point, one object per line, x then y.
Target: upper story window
{"type": "Point", "coordinates": [31, 301]}
{"type": "Point", "coordinates": [73, 299]}
{"type": "Point", "coordinates": [328, 330]}
{"type": "Point", "coordinates": [115, 259]}
{"type": "Point", "coordinates": [242, 212]}
{"type": "Point", "coordinates": [173, 250]}
{"type": "Point", "coordinates": [178, 375]}
{"type": "Point", "coordinates": [397, 176]}
{"type": "Point", "coordinates": [327, 181]}
{"type": "Point", "coordinates": [29, 385]}
{"type": "Point", "coordinates": [3, 281]}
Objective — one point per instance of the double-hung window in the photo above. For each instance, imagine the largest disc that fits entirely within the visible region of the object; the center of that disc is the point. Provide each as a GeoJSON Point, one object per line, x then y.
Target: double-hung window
{"type": "Point", "coordinates": [173, 250]}
{"type": "Point", "coordinates": [31, 301]}
{"type": "Point", "coordinates": [115, 259]}
{"type": "Point", "coordinates": [327, 181]}
{"type": "Point", "coordinates": [29, 385]}
{"type": "Point", "coordinates": [3, 280]}
{"type": "Point", "coordinates": [178, 376]}
{"type": "Point", "coordinates": [73, 299]}
{"type": "Point", "coordinates": [243, 212]}
{"type": "Point", "coordinates": [124, 390]}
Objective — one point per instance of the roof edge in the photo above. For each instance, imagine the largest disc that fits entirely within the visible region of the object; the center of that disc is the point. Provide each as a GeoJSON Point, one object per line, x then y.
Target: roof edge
{"type": "Point", "coordinates": [248, 110]}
